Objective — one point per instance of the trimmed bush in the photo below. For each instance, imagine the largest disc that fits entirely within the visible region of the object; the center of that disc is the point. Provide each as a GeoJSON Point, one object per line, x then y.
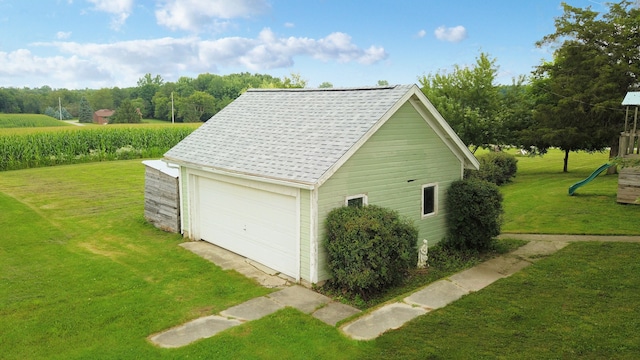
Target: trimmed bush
{"type": "Point", "coordinates": [474, 214]}
{"type": "Point", "coordinates": [369, 248]}
{"type": "Point", "coordinates": [496, 167]}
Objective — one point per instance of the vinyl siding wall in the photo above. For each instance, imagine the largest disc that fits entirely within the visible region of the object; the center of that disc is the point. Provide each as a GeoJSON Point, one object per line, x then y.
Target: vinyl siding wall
{"type": "Point", "coordinates": [391, 168]}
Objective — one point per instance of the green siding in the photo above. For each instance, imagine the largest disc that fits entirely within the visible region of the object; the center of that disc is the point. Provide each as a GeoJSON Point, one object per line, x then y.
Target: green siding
{"type": "Point", "coordinates": [305, 230]}
{"type": "Point", "coordinates": [404, 148]}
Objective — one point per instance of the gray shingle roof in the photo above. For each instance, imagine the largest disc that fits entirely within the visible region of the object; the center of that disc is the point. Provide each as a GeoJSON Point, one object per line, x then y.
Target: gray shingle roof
{"type": "Point", "coordinates": [288, 134]}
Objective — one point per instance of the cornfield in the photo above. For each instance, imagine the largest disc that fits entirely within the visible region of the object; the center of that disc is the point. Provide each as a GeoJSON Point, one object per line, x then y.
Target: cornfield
{"type": "Point", "coordinates": [21, 151]}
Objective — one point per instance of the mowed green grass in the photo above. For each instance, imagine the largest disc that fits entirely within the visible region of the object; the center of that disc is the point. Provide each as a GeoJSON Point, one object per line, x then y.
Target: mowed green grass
{"type": "Point", "coordinates": [537, 201]}
{"type": "Point", "coordinates": [581, 303]}
{"type": "Point", "coordinates": [28, 121]}
{"type": "Point", "coordinates": [83, 276]}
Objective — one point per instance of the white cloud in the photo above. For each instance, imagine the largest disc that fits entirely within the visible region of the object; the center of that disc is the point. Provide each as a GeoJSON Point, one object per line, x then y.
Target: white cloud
{"type": "Point", "coordinates": [196, 15]}
{"type": "Point", "coordinates": [452, 34]}
{"type": "Point", "coordinates": [119, 9]}
{"type": "Point", "coordinates": [269, 51]}
{"type": "Point", "coordinates": [421, 33]}
{"type": "Point", "coordinates": [122, 63]}
{"type": "Point", "coordinates": [22, 64]}
{"type": "Point", "coordinates": [61, 35]}
{"type": "Point", "coordinates": [289, 25]}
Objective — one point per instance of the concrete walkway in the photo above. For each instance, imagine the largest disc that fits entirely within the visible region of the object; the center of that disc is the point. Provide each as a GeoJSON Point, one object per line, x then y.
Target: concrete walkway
{"type": "Point", "coordinates": [387, 317]}
{"type": "Point", "coordinates": [299, 297]}
{"type": "Point", "coordinates": [443, 292]}
{"type": "Point", "coordinates": [296, 296]}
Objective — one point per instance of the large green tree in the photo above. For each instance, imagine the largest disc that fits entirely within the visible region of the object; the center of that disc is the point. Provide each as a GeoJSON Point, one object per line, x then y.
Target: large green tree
{"type": "Point", "coordinates": [469, 100]}
{"type": "Point", "coordinates": [85, 112]}
{"type": "Point", "coordinates": [516, 111]}
{"type": "Point", "coordinates": [9, 101]}
{"type": "Point", "coordinates": [101, 99]}
{"type": "Point", "coordinates": [147, 87]}
{"type": "Point", "coordinates": [161, 106]}
{"type": "Point", "coordinates": [126, 113]}
{"type": "Point", "coordinates": [579, 92]}
{"type": "Point", "coordinates": [198, 106]}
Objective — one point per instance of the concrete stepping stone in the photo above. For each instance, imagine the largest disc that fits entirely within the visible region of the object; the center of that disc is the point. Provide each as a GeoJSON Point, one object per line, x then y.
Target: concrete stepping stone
{"type": "Point", "coordinates": [197, 329]}
{"type": "Point", "coordinates": [299, 297]}
{"type": "Point", "coordinates": [534, 250]}
{"type": "Point", "coordinates": [388, 317]}
{"type": "Point", "coordinates": [334, 312]}
{"type": "Point", "coordinates": [505, 265]}
{"type": "Point", "coordinates": [439, 294]}
{"type": "Point", "coordinates": [253, 309]}
{"type": "Point", "coordinates": [476, 278]}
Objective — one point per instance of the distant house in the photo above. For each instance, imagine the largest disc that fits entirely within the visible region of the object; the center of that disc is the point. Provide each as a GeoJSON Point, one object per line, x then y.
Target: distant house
{"type": "Point", "coordinates": [102, 116]}
{"type": "Point", "coordinates": [260, 177]}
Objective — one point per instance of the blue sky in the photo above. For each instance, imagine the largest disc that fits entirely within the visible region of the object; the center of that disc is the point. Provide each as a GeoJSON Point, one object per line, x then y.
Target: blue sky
{"type": "Point", "coordinates": [79, 44]}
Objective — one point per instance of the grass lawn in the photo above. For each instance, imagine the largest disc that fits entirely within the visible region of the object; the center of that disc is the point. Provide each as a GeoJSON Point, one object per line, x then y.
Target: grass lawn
{"type": "Point", "coordinates": [579, 303]}
{"type": "Point", "coordinates": [537, 201]}
{"type": "Point", "coordinates": [82, 275]}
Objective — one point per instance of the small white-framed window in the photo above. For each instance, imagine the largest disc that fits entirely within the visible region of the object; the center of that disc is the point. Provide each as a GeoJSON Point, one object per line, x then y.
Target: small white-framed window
{"type": "Point", "coordinates": [429, 200]}
{"type": "Point", "coordinates": [356, 200]}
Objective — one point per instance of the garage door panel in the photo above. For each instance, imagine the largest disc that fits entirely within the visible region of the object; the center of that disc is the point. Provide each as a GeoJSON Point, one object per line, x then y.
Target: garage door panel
{"type": "Point", "coordinates": [258, 224]}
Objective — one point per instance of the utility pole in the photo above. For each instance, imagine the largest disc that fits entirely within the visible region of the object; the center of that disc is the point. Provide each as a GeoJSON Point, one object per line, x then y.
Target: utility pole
{"type": "Point", "coordinates": [173, 119]}
{"type": "Point", "coordinates": [60, 107]}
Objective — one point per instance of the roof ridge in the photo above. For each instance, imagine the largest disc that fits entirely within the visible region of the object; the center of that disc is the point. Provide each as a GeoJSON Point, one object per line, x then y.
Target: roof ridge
{"type": "Point", "coordinates": [359, 88]}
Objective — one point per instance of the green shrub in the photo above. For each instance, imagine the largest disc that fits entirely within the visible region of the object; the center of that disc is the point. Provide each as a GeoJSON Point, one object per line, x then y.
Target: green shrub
{"type": "Point", "coordinates": [474, 214]}
{"type": "Point", "coordinates": [496, 167]}
{"type": "Point", "coordinates": [369, 249]}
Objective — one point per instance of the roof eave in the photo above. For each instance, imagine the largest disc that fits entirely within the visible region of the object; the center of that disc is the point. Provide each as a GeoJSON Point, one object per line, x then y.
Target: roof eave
{"type": "Point", "coordinates": [455, 143]}
{"type": "Point", "coordinates": [443, 130]}
{"type": "Point", "coordinates": [347, 155]}
{"type": "Point", "coordinates": [242, 175]}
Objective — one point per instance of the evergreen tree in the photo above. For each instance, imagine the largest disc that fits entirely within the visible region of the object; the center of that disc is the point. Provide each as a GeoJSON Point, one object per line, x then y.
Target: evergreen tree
{"type": "Point", "coordinates": [50, 112]}
{"type": "Point", "coordinates": [126, 113]}
{"type": "Point", "coordinates": [85, 112]}
{"type": "Point", "coordinates": [55, 113]}
{"type": "Point", "coordinates": [596, 62]}
{"type": "Point", "coordinates": [66, 115]}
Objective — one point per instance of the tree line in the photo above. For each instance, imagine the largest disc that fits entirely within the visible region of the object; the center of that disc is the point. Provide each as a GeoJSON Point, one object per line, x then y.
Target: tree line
{"type": "Point", "coordinates": [571, 102]}
{"type": "Point", "coordinates": [194, 99]}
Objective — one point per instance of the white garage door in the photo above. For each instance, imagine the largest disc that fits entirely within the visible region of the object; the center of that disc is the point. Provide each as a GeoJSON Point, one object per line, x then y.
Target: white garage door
{"type": "Point", "coordinates": [257, 224]}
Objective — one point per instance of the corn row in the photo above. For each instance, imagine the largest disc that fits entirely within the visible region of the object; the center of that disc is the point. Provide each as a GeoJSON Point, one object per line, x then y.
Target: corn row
{"type": "Point", "coordinates": [70, 147]}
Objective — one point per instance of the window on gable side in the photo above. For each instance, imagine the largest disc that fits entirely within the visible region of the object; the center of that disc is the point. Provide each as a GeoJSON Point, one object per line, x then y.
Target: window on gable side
{"type": "Point", "coordinates": [429, 200]}
{"type": "Point", "coordinates": [356, 200]}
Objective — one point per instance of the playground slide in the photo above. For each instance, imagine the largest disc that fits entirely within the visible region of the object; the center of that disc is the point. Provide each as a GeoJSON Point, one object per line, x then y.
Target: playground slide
{"type": "Point", "coordinates": [574, 187]}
